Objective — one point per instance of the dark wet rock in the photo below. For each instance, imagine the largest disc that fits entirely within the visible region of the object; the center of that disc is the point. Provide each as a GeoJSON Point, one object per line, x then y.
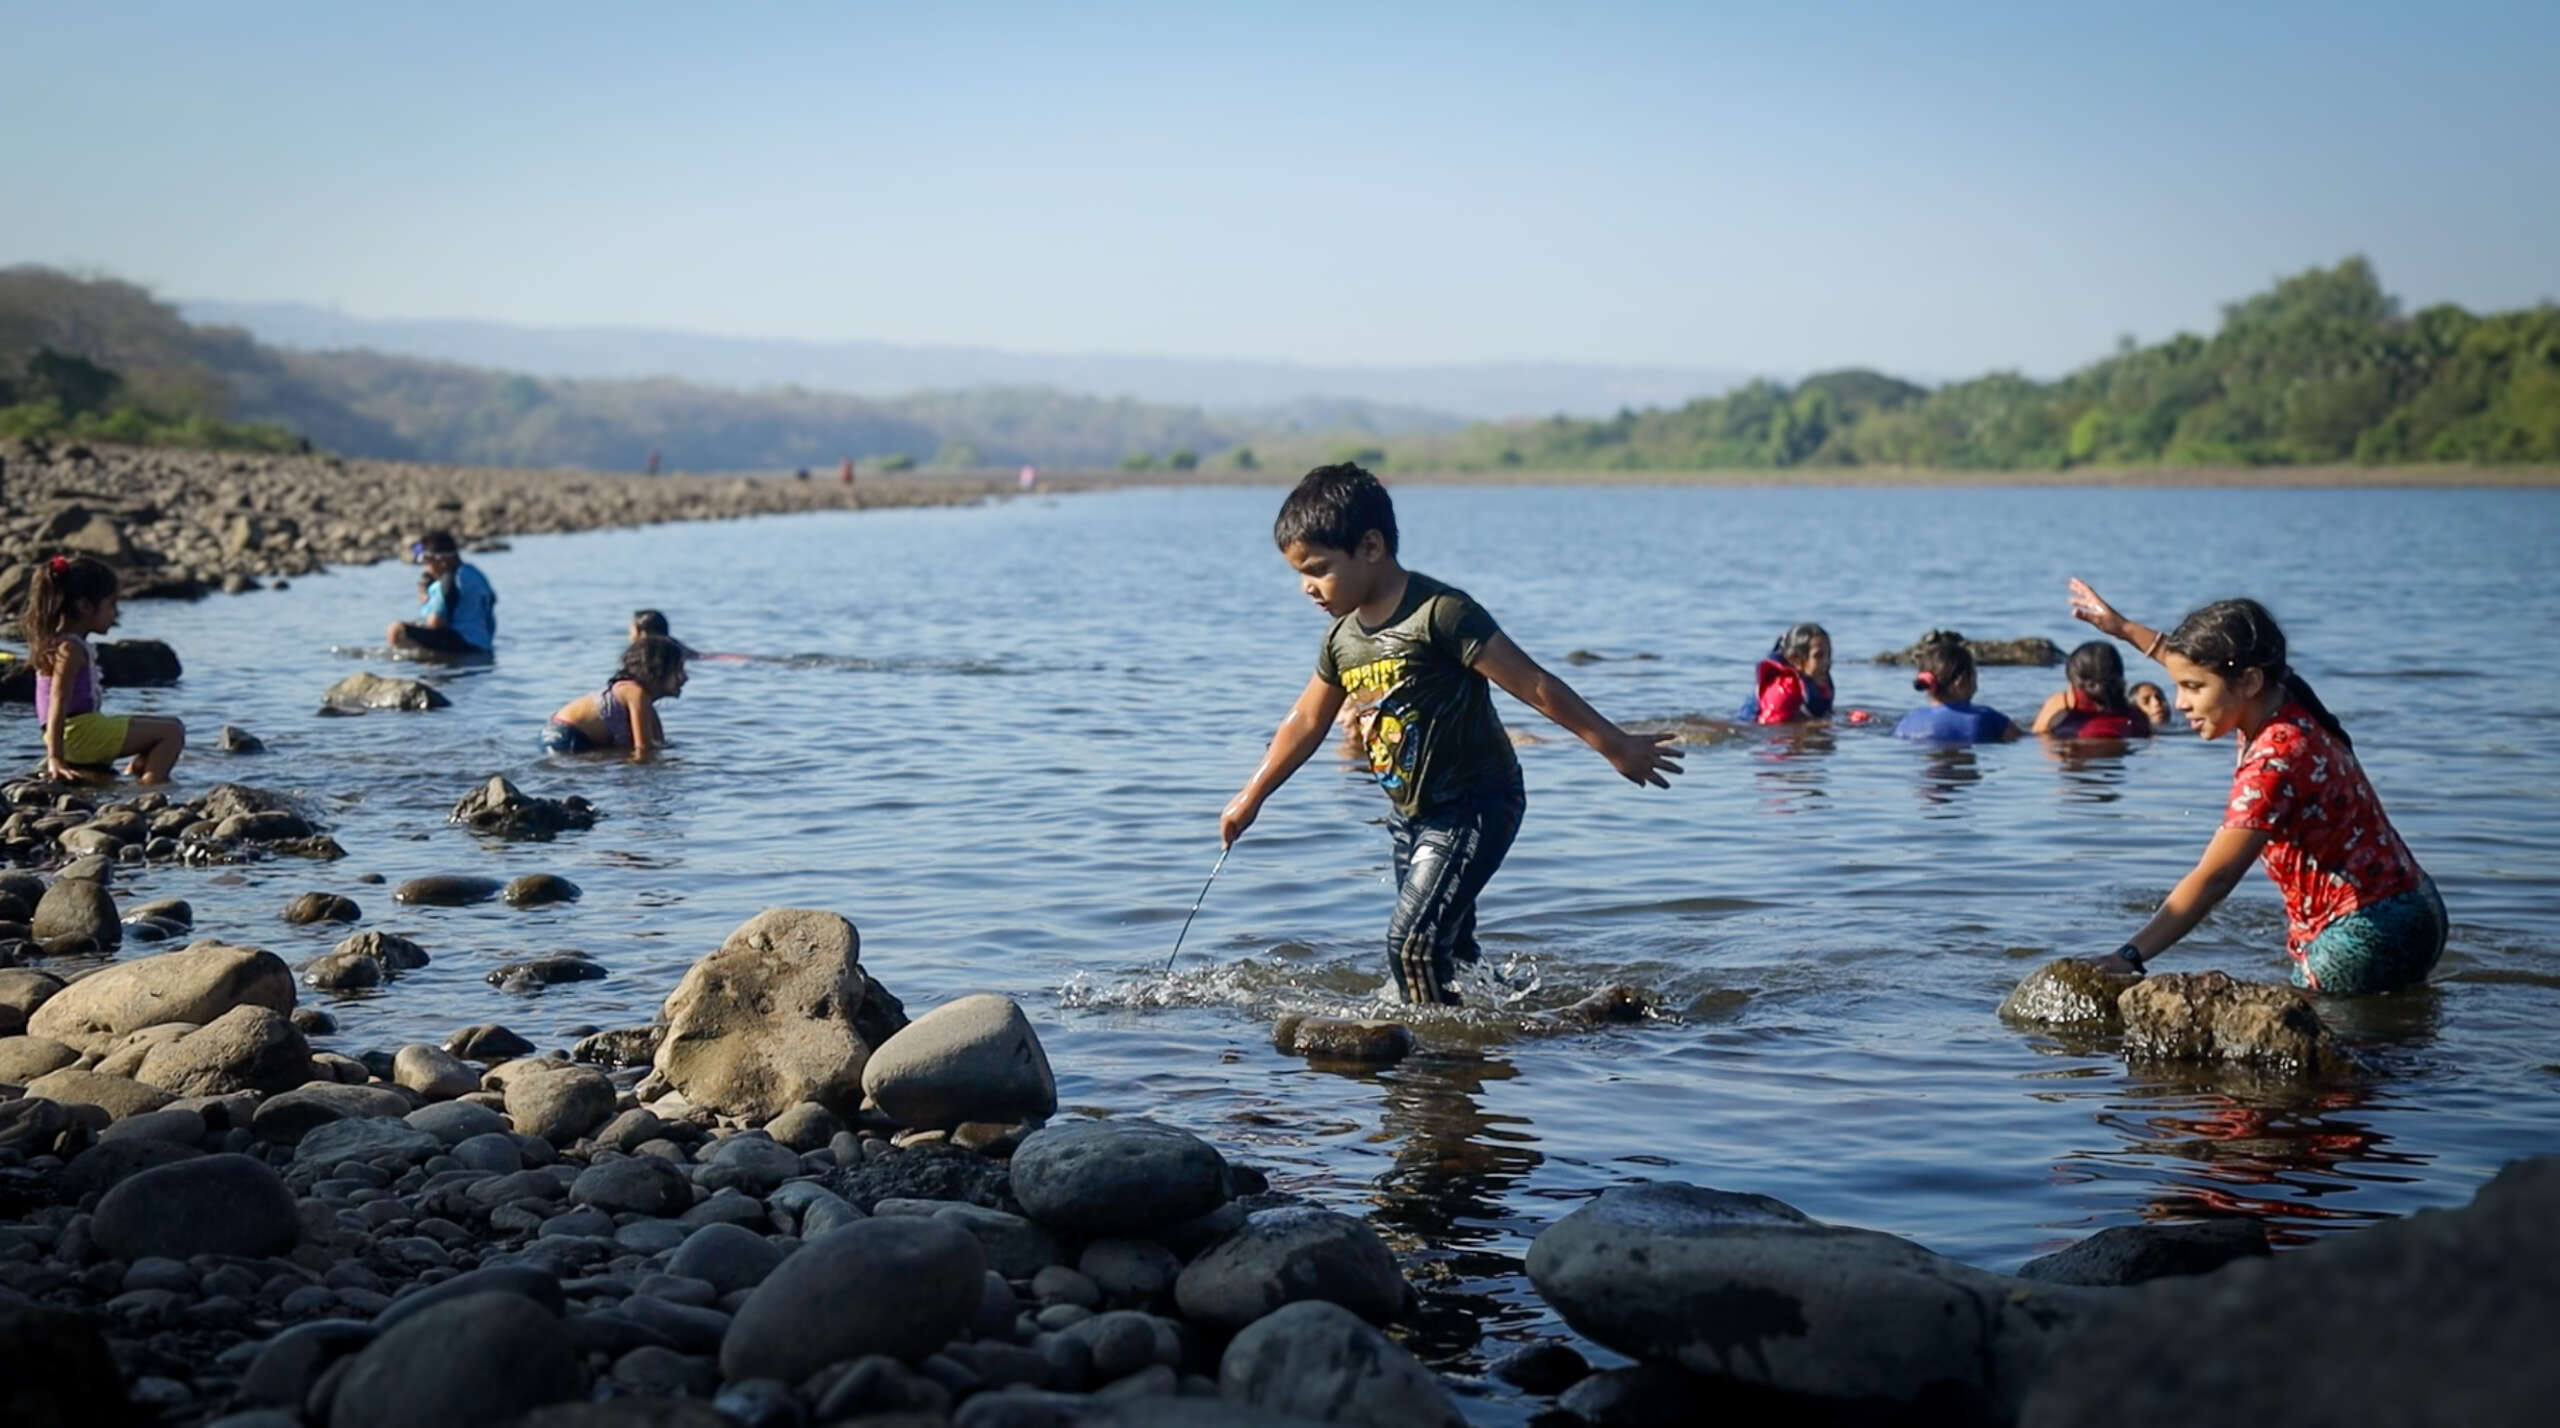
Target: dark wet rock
{"type": "Point", "coordinates": [366, 959]}
{"type": "Point", "coordinates": [1322, 1361]}
{"type": "Point", "coordinates": [487, 1042]}
{"type": "Point", "coordinates": [364, 691]}
{"type": "Point", "coordinates": [2444, 1316]}
{"type": "Point", "coordinates": [214, 1204]}
{"type": "Point", "coordinates": [727, 1257]}
{"type": "Point", "coordinates": [928, 1172]}
{"type": "Point", "coordinates": [501, 810]}
{"type": "Point", "coordinates": [637, 1185]}
{"type": "Point", "coordinates": [76, 908]}
{"type": "Point", "coordinates": [1285, 1255]}
{"type": "Point", "coordinates": [2027, 650]}
{"type": "Point", "coordinates": [454, 1122]}
{"type": "Point", "coordinates": [174, 910]}
{"type": "Point", "coordinates": [1130, 1271]}
{"type": "Point", "coordinates": [560, 1102]}
{"type": "Point", "coordinates": [1016, 1248]}
{"type": "Point", "coordinates": [194, 985]}
{"type": "Point", "coordinates": [2066, 992]}
{"type": "Point", "coordinates": [2213, 1017]}
{"type": "Point", "coordinates": [137, 664]}
{"type": "Point", "coordinates": [314, 907]}
{"type": "Point", "coordinates": [1545, 1369]}
{"type": "Point", "coordinates": [623, 1046]}
{"type": "Point", "coordinates": [901, 1287]}
{"type": "Point", "coordinates": [365, 1138]}
{"type": "Point", "coordinates": [313, 1021]}
{"type": "Point", "coordinates": [22, 990]}
{"type": "Point", "coordinates": [540, 890]}
{"type": "Point", "coordinates": [232, 739]}
{"type": "Point", "coordinates": [57, 1372]}
{"type": "Point", "coordinates": [1614, 1004]}
{"type": "Point", "coordinates": [483, 1358]}
{"type": "Point", "coordinates": [1748, 1288]}
{"type": "Point", "coordinates": [549, 970]}
{"type": "Point", "coordinates": [110, 1163]}
{"type": "Point", "coordinates": [974, 1059]}
{"type": "Point", "coordinates": [781, 1013]}
{"type": "Point", "coordinates": [248, 1048]}
{"type": "Point", "coordinates": [286, 1119]}
{"type": "Point", "coordinates": [1367, 1041]}
{"type": "Point", "coordinates": [1117, 1177]}
{"type": "Point", "coordinates": [446, 890]}
{"type": "Point", "coordinates": [118, 1096]}
{"type": "Point", "coordinates": [2133, 1254]}
{"type": "Point", "coordinates": [433, 1072]}
{"type": "Point", "coordinates": [288, 1365]}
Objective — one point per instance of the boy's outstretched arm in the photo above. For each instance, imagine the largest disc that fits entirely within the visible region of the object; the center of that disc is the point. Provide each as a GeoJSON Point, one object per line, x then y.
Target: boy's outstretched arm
{"type": "Point", "coordinates": [1302, 732]}
{"type": "Point", "coordinates": [1638, 758]}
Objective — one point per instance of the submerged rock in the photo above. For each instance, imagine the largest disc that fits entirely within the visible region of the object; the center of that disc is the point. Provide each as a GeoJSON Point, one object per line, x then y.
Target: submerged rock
{"type": "Point", "coordinates": [1369, 1041]}
{"type": "Point", "coordinates": [2136, 1254]}
{"type": "Point", "coordinates": [2065, 992]}
{"type": "Point", "coordinates": [446, 890]}
{"type": "Point", "coordinates": [232, 739]}
{"type": "Point", "coordinates": [367, 959]}
{"type": "Point", "coordinates": [364, 691]}
{"type": "Point", "coordinates": [1614, 1003]}
{"type": "Point", "coordinates": [2026, 650]}
{"type": "Point", "coordinates": [548, 970]}
{"type": "Point", "coordinates": [2211, 1016]}
{"type": "Point", "coordinates": [1749, 1288]}
{"type": "Point", "coordinates": [314, 907]}
{"type": "Point", "coordinates": [540, 890]}
{"type": "Point", "coordinates": [501, 810]}
{"type": "Point", "coordinates": [781, 1013]}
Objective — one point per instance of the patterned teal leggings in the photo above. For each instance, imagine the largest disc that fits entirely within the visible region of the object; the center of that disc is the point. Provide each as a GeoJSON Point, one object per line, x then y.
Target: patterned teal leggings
{"type": "Point", "coordinates": [2382, 948]}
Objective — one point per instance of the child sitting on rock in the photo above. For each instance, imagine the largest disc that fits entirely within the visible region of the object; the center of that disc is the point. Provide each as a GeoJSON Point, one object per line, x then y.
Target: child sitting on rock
{"type": "Point", "coordinates": [69, 599]}
{"type": "Point", "coordinates": [1946, 675]}
{"type": "Point", "coordinates": [623, 714]}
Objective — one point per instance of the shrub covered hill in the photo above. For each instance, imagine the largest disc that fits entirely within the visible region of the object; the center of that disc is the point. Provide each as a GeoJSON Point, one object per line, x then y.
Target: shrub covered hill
{"type": "Point", "coordinates": [2324, 367]}
{"type": "Point", "coordinates": [100, 359]}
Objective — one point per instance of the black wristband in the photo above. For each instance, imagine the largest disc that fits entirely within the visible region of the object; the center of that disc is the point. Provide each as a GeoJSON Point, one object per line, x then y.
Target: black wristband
{"type": "Point", "coordinates": [2131, 954]}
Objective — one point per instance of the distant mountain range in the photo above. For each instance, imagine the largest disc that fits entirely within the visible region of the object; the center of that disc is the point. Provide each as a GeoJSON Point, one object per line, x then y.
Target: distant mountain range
{"type": "Point", "coordinates": [1305, 396]}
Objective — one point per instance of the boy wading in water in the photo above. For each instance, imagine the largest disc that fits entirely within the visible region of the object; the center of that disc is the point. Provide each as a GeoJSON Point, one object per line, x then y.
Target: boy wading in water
{"type": "Point", "coordinates": [1413, 657]}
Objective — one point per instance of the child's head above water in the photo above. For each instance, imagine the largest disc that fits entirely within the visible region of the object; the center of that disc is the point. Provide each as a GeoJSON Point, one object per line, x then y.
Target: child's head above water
{"type": "Point", "coordinates": [67, 594]}
{"type": "Point", "coordinates": [1945, 667]}
{"type": "Point", "coordinates": [1806, 647]}
{"type": "Point", "coordinates": [1337, 529]}
{"type": "Point", "coordinates": [647, 622]}
{"type": "Point", "coordinates": [2152, 701]}
{"type": "Point", "coordinates": [2096, 672]}
{"type": "Point", "coordinates": [2229, 656]}
{"type": "Point", "coordinates": [656, 664]}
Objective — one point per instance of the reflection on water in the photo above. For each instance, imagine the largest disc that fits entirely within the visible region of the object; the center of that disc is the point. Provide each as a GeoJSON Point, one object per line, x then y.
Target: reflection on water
{"type": "Point", "coordinates": [1005, 765]}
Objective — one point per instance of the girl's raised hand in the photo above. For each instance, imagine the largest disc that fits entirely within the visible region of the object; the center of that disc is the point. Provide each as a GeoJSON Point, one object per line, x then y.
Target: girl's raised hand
{"type": "Point", "coordinates": [2086, 605]}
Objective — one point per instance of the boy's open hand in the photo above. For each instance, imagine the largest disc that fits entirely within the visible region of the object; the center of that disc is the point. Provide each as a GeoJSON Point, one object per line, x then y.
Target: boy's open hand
{"type": "Point", "coordinates": [2086, 605]}
{"type": "Point", "coordinates": [1645, 758]}
{"type": "Point", "coordinates": [1239, 815]}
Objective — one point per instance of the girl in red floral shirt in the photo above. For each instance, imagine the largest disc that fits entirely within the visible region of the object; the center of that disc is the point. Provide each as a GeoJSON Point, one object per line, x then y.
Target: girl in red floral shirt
{"type": "Point", "coordinates": [2361, 915]}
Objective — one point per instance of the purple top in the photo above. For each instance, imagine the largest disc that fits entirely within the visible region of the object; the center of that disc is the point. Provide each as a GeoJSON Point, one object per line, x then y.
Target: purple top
{"type": "Point", "coordinates": [614, 715]}
{"type": "Point", "coordinates": [84, 690]}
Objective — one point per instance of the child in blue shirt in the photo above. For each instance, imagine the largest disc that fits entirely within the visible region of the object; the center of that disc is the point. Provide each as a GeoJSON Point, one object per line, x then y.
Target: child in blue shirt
{"type": "Point", "coordinates": [1946, 675]}
{"type": "Point", "coordinates": [457, 608]}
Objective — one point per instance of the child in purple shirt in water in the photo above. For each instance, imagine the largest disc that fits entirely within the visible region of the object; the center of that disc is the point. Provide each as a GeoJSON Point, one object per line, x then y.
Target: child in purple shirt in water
{"type": "Point", "coordinates": [1946, 675]}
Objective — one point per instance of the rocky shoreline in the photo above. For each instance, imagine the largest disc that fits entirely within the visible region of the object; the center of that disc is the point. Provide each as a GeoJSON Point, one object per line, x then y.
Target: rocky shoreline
{"type": "Point", "coordinates": [183, 524]}
{"type": "Point", "coordinates": [786, 1202]}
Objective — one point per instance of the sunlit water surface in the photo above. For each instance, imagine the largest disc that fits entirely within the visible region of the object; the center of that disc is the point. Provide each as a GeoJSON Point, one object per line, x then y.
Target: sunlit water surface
{"type": "Point", "coordinates": [998, 740]}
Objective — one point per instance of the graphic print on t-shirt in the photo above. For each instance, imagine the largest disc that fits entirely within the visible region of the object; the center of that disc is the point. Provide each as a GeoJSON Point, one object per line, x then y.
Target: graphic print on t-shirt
{"type": "Point", "coordinates": [1382, 718]}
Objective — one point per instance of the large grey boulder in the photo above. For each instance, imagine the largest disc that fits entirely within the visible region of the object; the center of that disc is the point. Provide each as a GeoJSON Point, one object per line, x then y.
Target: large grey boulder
{"type": "Point", "coordinates": [212, 1204]}
{"type": "Point", "coordinates": [248, 1048]}
{"type": "Point", "coordinates": [1749, 1288]}
{"type": "Point", "coordinates": [195, 984]}
{"type": "Point", "coordinates": [481, 1358]}
{"type": "Point", "coordinates": [781, 1013]}
{"type": "Point", "coordinates": [2444, 1317]}
{"type": "Point", "coordinates": [2067, 992]}
{"type": "Point", "coordinates": [903, 1286]}
{"type": "Point", "coordinates": [1117, 1176]}
{"type": "Point", "coordinates": [1284, 1255]}
{"type": "Point", "coordinates": [1321, 1361]}
{"type": "Point", "coordinates": [975, 1059]}
{"type": "Point", "coordinates": [365, 691]}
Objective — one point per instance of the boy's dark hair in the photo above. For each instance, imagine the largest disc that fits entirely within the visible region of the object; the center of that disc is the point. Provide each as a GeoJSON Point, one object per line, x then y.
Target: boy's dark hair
{"type": "Point", "coordinates": [439, 543]}
{"type": "Point", "coordinates": [2229, 636]}
{"type": "Point", "coordinates": [651, 659]}
{"type": "Point", "coordinates": [649, 622]}
{"type": "Point", "coordinates": [1335, 506]}
{"type": "Point", "coordinates": [59, 583]}
{"type": "Point", "coordinates": [1943, 661]}
{"type": "Point", "coordinates": [2096, 670]}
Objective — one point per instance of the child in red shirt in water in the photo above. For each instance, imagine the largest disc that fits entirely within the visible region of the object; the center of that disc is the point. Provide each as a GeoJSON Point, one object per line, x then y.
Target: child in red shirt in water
{"type": "Point", "coordinates": [2361, 915]}
{"type": "Point", "coordinates": [1794, 679]}
{"type": "Point", "coordinates": [2093, 703]}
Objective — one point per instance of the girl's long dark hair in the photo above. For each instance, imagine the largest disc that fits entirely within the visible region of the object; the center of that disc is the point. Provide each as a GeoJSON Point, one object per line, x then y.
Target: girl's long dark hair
{"type": "Point", "coordinates": [652, 660]}
{"type": "Point", "coordinates": [1942, 659]}
{"type": "Point", "coordinates": [2096, 670]}
{"type": "Point", "coordinates": [60, 583]}
{"type": "Point", "coordinates": [2233, 635]}
{"type": "Point", "coordinates": [1797, 641]}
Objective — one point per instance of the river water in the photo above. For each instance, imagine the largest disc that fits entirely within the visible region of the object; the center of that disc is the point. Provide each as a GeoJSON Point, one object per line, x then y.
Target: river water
{"type": "Point", "coordinates": [998, 738]}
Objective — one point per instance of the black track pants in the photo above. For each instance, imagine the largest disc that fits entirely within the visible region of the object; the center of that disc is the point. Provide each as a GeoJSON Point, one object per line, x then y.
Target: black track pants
{"type": "Point", "coordinates": [1443, 860]}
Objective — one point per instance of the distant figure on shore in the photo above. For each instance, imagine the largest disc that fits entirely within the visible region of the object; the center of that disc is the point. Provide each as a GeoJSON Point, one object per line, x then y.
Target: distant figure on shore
{"type": "Point", "coordinates": [70, 598]}
{"type": "Point", "coordinates": [2360, 914]}
{"type": "Point", "coordinates": [1030, 478]}
{"type": "Point", "coordinates": [845, 474]}
{"type": "Point", "coordinates": [2093, 703]}
{"type": "Point", "coordinates": [457, 608]}
{"type": "Point", "coordinates": [2153, 703]}
{"type": "Point", "coordinates": [1946, 675]}
{"type": "Point", "coordinates": [653, 461]}
{"type": "Point", "coordinates": [1419, 659]}
{"type": "Point", "coordinates": [1793, 679]}
{"type": "Point", "coordinates": [624, 714]}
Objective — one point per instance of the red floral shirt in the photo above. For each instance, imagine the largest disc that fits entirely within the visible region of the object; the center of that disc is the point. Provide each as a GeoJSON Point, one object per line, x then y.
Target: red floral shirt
{"type": "Point", "coordinates": [2332, 850]}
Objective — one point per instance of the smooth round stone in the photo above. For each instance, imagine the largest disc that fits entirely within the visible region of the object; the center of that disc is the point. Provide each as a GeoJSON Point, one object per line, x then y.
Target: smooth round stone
{"type": "Point", "coordinates": [635, 1185]}
{"type": "Point", "coordinates": [446, 890]}
{"type": "Point", "coordinates": [1130, 1271]}
{"type": "Point", "coordinates": [454, 1122]}
{"type": "Point", "coordinates": [903, 1287]}
{"type": "Point", "coordinates": [763, 1163]}
{"type": "Point", "coordinates": [495, 1152]}
{"type": "Point", "coordinates": [651, 1236]}
{"type": "Point", "coordinates": [213, 1204]}
{"type": "Point", "coordinates": [728, 1257]}
{"type": "Point", "coordinates": [363, 1140]}
{"type": "Point", "coordinates": [483, 1358]}
{"type": "Point", "coordinates": [1116, 1177]}
{"type": "Point", "coordinates": [1327, 1363]}
{"type": "Point", "coordinates": [1285, 1255]}
{"type": "Point", "coordinates": [540, 890]}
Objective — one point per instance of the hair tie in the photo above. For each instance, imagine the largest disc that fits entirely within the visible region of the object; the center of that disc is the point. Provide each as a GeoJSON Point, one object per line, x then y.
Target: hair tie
{"type": "Point", "coordinates": [1924, 680]}
{"type": "Point", "coordinates": [59, 565]}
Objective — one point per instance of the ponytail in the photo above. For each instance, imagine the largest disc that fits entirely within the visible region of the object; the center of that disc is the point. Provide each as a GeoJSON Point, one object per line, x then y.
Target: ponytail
{"type": "Point", "coordinates": [2233, 635]}
{"type": "Point", "coordinates": [59, 584]}
{"type": "Point", "coordinates": [2096, 670]}
{"type": "Point", "coordinates": [1943, 661]}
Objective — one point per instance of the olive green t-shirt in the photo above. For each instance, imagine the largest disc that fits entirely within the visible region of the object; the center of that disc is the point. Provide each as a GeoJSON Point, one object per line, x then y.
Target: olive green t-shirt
{"type": "Point", "coordinates": [1423, 714]}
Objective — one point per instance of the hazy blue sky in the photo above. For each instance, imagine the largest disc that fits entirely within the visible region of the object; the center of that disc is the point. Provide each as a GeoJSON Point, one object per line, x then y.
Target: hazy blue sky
{"type": "Point", "coordinates": [1932, 188]}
